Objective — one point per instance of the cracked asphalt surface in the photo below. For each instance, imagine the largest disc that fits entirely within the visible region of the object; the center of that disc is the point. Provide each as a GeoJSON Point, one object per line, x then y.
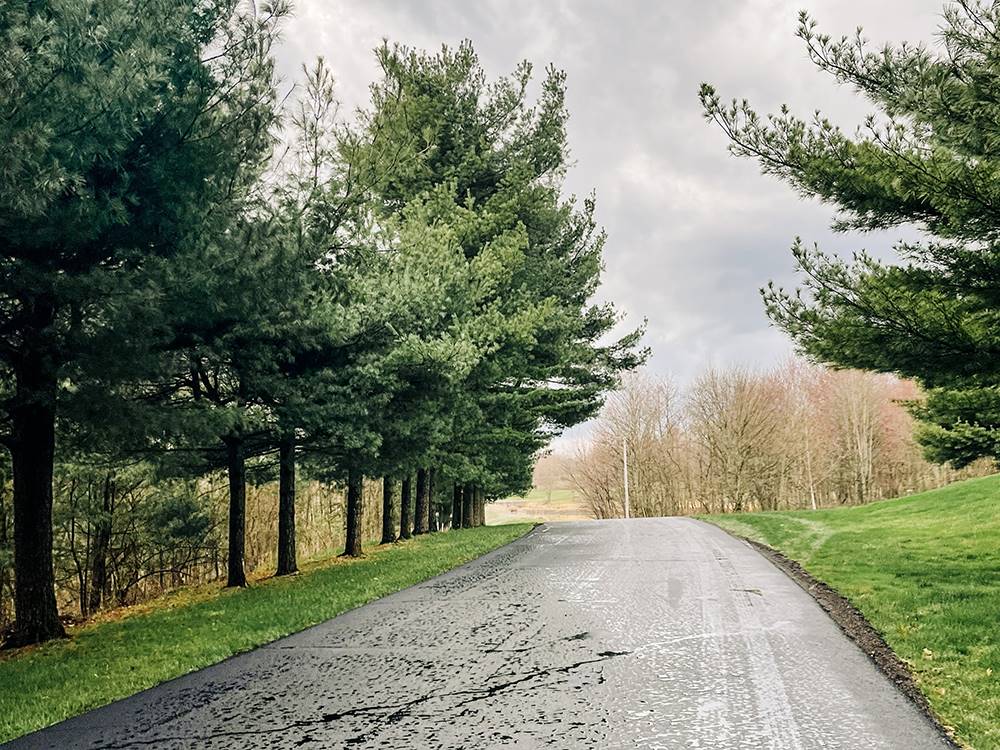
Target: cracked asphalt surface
{"type": "Point", "coordinates": [649, 633]}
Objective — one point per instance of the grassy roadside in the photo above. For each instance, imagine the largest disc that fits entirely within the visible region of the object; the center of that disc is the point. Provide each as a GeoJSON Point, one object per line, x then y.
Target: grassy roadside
{"type": "Point", "coordinates": [925, 571]}
{"type": "Point", "coordinates": [111, 659]}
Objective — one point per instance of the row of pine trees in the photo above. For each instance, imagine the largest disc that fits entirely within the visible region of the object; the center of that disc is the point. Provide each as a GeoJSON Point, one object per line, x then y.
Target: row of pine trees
{"type": "Point", "coordinates": [207, 269]}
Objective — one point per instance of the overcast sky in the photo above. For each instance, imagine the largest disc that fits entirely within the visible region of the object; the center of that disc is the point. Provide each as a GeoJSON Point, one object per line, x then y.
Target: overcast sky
{"type": "Point", "coordinates": [693, 232]}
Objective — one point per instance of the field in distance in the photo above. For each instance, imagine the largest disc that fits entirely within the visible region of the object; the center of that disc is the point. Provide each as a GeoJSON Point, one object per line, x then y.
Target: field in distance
{"type": "Point", "coordinates": [539, 505]}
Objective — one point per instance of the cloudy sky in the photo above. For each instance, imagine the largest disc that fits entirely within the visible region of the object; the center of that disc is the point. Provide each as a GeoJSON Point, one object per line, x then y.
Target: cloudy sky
{"type": "Point", "coordinates": [693, 232]}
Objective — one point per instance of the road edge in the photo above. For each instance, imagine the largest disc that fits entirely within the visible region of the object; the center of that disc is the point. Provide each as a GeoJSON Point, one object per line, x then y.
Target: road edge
{"type": "Point", "coordinates": [17, 740]}
{"type": "Point", "coordinates": [853, 623]}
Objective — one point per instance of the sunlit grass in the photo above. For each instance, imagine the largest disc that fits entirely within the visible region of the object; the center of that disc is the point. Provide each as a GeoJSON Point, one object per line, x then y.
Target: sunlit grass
{"type": "Point", "coordinates": [123, 653]}
{"type": "Point", "coordinates": [539, 495]}
{"type": "Point", "coordinates": [925, 570]}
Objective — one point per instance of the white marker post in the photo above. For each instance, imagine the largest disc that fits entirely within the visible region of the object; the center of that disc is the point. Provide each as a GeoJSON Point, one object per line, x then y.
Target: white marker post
{"type": "Point", "coordinates": [625, 465]}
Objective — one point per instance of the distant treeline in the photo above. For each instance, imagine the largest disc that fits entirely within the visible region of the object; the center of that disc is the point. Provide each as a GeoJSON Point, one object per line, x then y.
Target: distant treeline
{"type": "Point", "coordinates": [798, 436]}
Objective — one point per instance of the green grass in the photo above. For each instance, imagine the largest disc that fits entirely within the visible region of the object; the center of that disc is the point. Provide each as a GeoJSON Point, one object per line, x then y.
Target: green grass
{"type": "Point", "coordinates": [194, 628]}
{"type": "Point", "coordinates": [925, 570]}
{"type": "Point", "coordinates": [537, 495]}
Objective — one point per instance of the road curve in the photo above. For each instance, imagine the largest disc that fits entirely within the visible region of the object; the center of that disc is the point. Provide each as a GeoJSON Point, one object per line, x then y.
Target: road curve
{"type": "Point", "coordinates": [649, 633]}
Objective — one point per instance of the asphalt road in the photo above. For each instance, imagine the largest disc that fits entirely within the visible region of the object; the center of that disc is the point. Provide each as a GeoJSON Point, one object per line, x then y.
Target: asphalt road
{"type": "Point", "coordinates": [652, 633]}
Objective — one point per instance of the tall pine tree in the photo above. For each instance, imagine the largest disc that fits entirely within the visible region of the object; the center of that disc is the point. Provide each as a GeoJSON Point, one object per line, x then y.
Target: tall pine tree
{"type": "Point", "coordinates": [506, 156]}
{"type": "Point", "coordinates": [124, 140]}
{"type": "Point", "coordinates": [925, 159]}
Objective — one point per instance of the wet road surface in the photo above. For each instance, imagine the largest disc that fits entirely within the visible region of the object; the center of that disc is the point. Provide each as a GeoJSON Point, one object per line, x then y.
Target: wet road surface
{"type": "Point", "coordinates": [649, 633]}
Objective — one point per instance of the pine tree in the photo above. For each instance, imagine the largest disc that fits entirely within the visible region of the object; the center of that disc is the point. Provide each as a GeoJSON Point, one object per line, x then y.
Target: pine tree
{"type": "Point", "coordinates": [927, 159]}
{"type": "Point", "coordinates": [544, 367]}
{"type": "Point", "coordinates": [122, 144]}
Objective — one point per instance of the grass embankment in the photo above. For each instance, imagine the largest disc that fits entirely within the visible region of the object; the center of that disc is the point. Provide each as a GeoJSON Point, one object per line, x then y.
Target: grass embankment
{"type": "Point", "coordinates": [925, 571]}
{"type": "Point", "coordinates": [193, 628]}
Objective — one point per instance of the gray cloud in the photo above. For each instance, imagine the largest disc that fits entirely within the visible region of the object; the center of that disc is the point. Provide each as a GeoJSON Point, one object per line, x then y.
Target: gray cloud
{"type": "Point", "coordinates": [693, 232]}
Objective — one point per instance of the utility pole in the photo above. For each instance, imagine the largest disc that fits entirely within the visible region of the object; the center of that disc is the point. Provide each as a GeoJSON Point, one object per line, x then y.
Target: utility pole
{"type": "Point", "coordinates": [625, 466]}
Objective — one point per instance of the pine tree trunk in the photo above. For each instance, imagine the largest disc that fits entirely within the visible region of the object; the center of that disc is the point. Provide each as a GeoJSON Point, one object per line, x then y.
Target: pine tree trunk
{"type": "Point", "coordinates": [287, 559]}
{"type": "Point", "coordinates": [420, 506]}
{"type": "Point", "coordinates": [102, 541]}
{"type": "Point", "coordinates": [456, 507]}
{"type": "Point", "coordinates": [467, 505]}
{"type": "Point", "coordinates": [355, 482]}
{"type": "Point", "coordinates": [406, 508]}
{"type": "Point", "coordinates": [480, 512]}
{"type": "Point", "coordinates": [32, 451]}
{"type": "Point", "coordinates": [4, 541]}
{"type": "Point", "coordinates": [432, 519]}
{"type": "Point", "coordinates": [388, 527]}
{"type": "Point", "coordinates": [236, 464]}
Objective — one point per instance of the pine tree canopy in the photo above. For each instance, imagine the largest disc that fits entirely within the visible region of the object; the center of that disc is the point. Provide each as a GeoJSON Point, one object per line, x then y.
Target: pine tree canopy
{"type": "Point", "coordinates": [545, 365]}
{"type": "Point", "coordinates": [203, 276]}
{"type": "Point", "coordinates": [928, 159]}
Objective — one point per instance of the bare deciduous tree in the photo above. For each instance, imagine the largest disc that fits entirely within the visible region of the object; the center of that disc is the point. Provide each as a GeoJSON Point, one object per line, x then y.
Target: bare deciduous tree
{"type": "Point", "coordinates": [798, 436]}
